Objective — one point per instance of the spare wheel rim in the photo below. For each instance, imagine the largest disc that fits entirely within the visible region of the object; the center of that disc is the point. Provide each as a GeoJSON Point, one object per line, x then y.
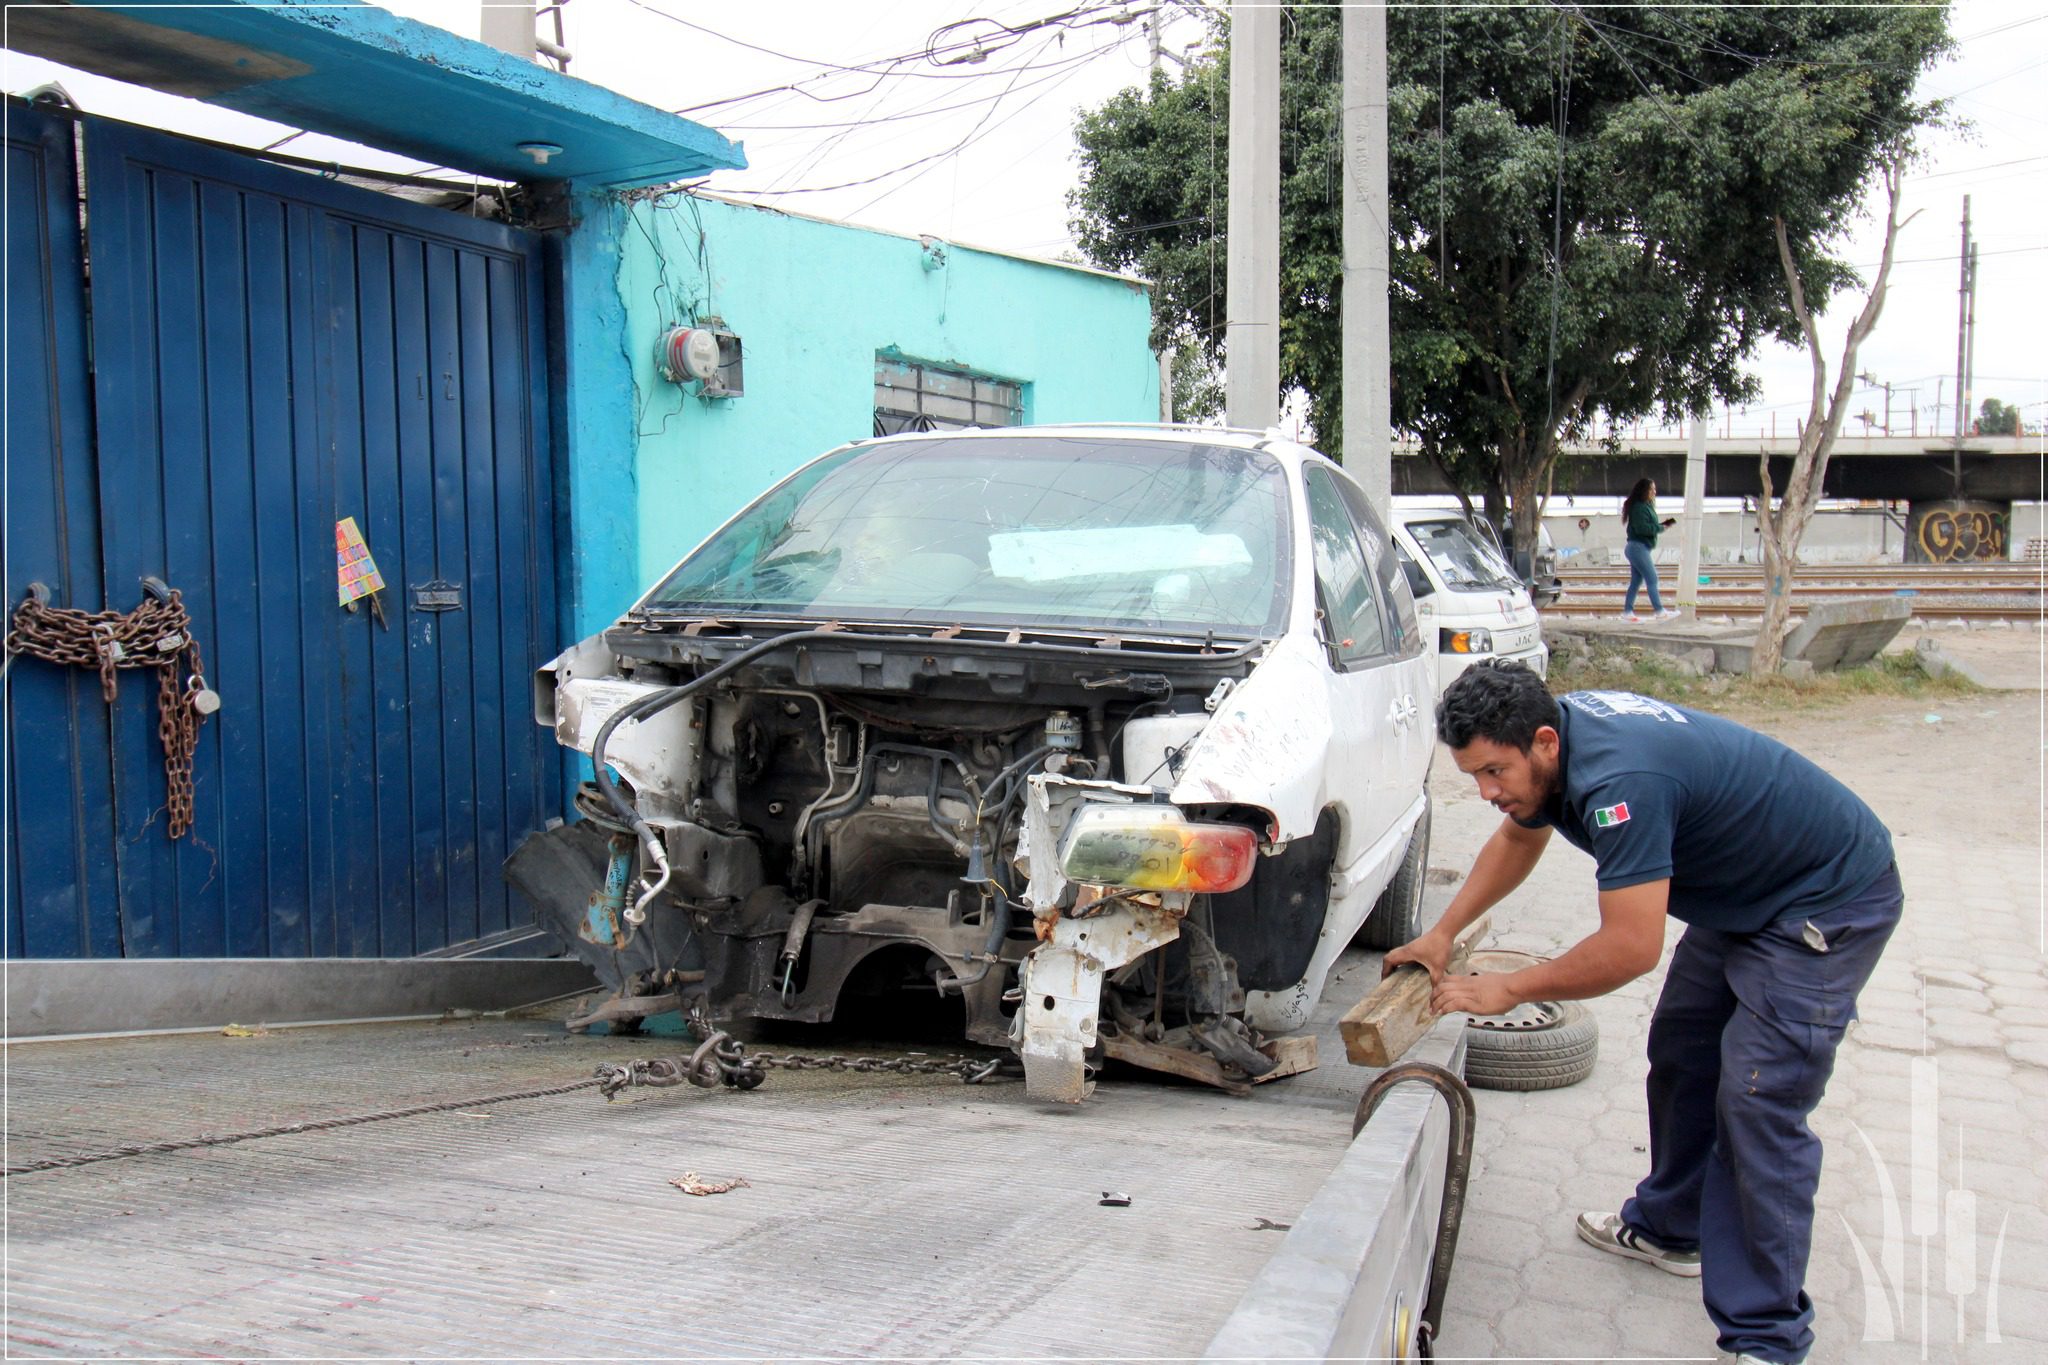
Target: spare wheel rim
{"type": "Point", "coordinates": [1524, 1018]}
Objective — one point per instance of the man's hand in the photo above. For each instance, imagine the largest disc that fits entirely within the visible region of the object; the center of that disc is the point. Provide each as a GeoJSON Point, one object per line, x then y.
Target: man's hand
{"type": "Point", "coordinates": [1431, 951]}
{"type": "Point", "coordinates": [1486, 993]}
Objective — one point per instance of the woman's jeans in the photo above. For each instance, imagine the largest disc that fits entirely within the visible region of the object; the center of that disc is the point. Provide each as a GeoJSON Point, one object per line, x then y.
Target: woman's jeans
{"type": "Point", "coordinates": [1641, 569]}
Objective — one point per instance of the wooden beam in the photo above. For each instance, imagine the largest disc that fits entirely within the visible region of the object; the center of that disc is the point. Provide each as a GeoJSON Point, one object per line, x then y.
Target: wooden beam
{"type": "Point", "coordinates": [1174, 1061]}
{"type": "Point", "coordinates": [1295, 1054]}
{"type": "Point", "coordinates": [1394, 1016]}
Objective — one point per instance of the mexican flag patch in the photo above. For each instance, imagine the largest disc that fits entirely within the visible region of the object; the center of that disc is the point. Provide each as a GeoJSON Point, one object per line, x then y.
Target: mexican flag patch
{"type": "Point", "coordinates": [1609, 816]}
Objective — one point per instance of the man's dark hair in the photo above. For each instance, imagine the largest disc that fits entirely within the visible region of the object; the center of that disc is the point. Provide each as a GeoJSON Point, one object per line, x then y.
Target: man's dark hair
{"type": "Point", "coordinates": [1495, 700]}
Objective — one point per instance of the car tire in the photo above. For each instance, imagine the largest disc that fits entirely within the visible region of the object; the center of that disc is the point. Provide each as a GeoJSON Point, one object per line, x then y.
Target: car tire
{"type": "Point", "coordinates": [1545, 1045]}
{"type": "Point", "coordinates": [1397, 915]}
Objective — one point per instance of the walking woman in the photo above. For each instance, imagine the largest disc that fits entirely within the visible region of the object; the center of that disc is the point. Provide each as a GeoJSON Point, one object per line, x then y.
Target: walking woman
{"type": "Point", "coordinates": [1639, 516]}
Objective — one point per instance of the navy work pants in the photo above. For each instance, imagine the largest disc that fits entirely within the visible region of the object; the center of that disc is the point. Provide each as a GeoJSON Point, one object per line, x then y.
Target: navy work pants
{"type": "Point", "coordinates": [1741, 1046]}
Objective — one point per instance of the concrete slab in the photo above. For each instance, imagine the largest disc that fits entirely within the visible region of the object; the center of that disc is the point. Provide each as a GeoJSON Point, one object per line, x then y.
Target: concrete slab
{"type": "Point", "coordinates": [1713, 649]}
{"type": "Point", "coordinates": [1847, 633]}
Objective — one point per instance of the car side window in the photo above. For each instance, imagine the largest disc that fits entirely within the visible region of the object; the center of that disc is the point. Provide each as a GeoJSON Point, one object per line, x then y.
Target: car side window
{"type": "Point", "coordinates": [1344, 577]}
{"type": "Point", "coordinates": [1419, 585]}
{"type": "Point", "coordinates": [1384, 556]}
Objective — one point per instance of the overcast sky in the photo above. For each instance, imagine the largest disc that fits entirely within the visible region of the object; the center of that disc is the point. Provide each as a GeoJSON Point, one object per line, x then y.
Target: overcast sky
{"type": "Point", "coordinates": [983, 152]}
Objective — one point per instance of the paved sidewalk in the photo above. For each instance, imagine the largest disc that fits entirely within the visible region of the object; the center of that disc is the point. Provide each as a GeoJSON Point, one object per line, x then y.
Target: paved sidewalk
{"type": "Point", "coordinates": [1960, 998]}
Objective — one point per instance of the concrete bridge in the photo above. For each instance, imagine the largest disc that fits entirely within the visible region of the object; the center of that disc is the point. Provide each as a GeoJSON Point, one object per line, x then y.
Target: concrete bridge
{"type": "Point", "coordinates": [1995, 469]}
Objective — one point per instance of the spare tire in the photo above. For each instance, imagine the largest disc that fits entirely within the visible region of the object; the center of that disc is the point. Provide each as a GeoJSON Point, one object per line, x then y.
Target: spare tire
{"type": "Point", "coordinates": [1544, 1045]}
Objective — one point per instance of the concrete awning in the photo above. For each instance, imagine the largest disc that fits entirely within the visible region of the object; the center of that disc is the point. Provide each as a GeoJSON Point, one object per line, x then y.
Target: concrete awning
{"type": "Point", "coordinates": [358, 72]}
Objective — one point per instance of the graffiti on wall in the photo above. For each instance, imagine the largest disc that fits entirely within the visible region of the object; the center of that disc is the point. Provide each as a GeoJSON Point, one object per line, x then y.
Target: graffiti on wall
{"type": "Point", "coordinates": [1949, 533]}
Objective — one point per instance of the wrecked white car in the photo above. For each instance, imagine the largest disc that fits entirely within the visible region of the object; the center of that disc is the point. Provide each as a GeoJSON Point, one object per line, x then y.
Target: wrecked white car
{"type": "Point", "coordinates": [1117, 734]}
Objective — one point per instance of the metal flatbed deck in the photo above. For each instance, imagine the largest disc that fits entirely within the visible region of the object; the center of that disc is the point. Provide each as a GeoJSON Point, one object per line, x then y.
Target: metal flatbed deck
{"type": "Point", "coordinates": [906, 1216]}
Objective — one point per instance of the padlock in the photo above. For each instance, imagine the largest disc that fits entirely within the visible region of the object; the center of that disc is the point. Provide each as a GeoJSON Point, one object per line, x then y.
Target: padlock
{"type": "Point", "coordinates": [170, 644]}
{"type": "Point", "coordinates": [205, 700]}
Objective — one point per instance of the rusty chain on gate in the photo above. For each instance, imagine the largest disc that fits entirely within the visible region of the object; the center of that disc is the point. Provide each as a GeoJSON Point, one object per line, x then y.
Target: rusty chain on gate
{"type": "Point", "coordinates": [157, 634]}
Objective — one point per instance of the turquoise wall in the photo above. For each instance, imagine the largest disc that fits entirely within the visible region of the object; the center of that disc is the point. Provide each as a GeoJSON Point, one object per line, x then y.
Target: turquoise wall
{"type": "Point", "coordinates": [813, 303]}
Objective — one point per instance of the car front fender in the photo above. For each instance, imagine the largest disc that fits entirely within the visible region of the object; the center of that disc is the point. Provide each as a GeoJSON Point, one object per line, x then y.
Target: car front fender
{"type": "Point", "coordinates": [1269, 744]}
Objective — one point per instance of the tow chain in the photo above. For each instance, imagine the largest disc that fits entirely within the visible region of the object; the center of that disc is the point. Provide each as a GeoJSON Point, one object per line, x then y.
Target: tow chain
{"type": "Point", "coordinates": [719, 1060]}
{"type": "Point", "coordinates": [284, 1129]}
{"type": "Point", "coordinates": [157, 634]}
{"type": "Point", "coordinates": [722, 1059]}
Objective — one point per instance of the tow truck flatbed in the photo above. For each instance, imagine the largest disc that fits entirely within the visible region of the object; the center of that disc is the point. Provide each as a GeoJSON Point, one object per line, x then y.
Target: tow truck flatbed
{"type": "Point", "coordinates": [881, 1215]}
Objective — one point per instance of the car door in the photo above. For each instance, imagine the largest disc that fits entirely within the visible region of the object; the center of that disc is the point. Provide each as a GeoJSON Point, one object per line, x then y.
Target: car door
{"type": "Point", "coordinates": [1372, 702]}
{"type": "Point", "coordinates": [1412, 639]}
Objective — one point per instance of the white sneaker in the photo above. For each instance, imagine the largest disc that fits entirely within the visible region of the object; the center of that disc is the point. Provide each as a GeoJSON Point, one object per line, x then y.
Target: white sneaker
{"type": "Point", "coordinates": [1667, 613]}
{"type": "Point", "coordinates": [1607, 1232]}
{"type": "Point", "coordinates": [1630, 616]}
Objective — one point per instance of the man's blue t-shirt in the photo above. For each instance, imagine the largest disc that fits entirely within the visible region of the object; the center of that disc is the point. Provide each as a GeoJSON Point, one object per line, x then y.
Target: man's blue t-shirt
{"type": "Point", "coordinates": [1747, 830]}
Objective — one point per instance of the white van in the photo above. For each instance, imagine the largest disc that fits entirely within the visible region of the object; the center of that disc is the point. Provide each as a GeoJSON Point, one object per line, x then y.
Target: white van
{"type": "Point", "coordinates": [1466, 597]}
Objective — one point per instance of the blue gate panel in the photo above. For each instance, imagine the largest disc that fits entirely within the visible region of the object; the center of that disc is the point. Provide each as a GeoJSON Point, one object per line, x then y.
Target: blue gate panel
{"type": "Point", "coordinates": [59, 884]}
{"type": "Point", "coordinates": [275, 353]}
{"type": "Point", "coordinates": [524, 574]}
{"type": "Point", "coordinates": [284, 896]}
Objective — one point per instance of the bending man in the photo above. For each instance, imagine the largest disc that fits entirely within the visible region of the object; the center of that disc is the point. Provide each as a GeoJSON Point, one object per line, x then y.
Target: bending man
{"type": "Point", "coordinates": [1786, 883]}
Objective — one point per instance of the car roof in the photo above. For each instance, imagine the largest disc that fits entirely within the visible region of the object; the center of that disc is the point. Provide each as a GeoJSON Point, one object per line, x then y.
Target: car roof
{"type": "Point", "coordinates": [1272, 440]}
{"type": "Point", "coordinates": [1410, 516]}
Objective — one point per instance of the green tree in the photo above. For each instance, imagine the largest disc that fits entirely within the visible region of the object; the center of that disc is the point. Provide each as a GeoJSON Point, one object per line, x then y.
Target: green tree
{"type": "Point", "coordinates": [1673, 140]}
{"type": "Point", "coordinates": [1997, 419]}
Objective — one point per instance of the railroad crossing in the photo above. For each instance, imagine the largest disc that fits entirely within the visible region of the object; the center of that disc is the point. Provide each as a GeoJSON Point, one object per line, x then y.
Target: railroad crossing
{"type": "Point", "coordinates": [2016, 593]}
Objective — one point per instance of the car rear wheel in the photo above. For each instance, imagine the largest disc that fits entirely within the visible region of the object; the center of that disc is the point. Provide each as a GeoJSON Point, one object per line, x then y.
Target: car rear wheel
{"type": "Point", "coordinates": [1397, 916]}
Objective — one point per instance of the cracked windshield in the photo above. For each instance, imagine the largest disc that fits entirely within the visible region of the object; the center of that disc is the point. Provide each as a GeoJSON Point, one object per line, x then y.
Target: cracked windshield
{"type": "Point", "coordinates": [1149, 536]}
{"type": "Point", "coordinates": [1464, 560]}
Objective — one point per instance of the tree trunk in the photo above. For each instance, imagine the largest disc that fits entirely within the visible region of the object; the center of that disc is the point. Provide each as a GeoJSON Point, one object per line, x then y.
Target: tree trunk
{"type": "Point", "coordinates": [1783, 527]}
{"type": "Point", "coordinates": [1522, 494]}
{"type": "Point", "coordinates": [1767, 655]}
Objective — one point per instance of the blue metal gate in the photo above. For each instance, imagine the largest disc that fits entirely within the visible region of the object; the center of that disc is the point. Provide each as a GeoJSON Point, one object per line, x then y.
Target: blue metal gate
{"type": "Point", "coordinates": [271, 353]}
{"type": "Point", "coordinates": [59, 883]}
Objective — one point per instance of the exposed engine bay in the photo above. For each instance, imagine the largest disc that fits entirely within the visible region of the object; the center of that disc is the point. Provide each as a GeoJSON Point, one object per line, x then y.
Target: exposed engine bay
{"type": "Point", "coordinates": [968, 813]}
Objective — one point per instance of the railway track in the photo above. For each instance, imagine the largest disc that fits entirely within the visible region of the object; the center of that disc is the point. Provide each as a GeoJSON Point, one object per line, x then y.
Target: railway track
{"type": "Point", "coordinates": [1990, 592]}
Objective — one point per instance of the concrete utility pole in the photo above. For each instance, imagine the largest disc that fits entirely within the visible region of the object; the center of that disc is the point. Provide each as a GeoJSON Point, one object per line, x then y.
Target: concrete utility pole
{"type": "Point", "coordinates": [1252, 291]}
{"type": "Point", "coordinates": [1368, 342]}
{"type": "Point", "coordinates": [1693, 518]}
{"type": "Point", "coordinates": [509, 28]}
{"type": "Point", "coordinates": [1963, 350]}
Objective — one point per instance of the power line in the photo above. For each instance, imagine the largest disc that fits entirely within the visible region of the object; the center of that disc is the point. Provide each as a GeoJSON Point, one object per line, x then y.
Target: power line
{"type": "Point", "coordinates": [1972, 170]}
{"type": "Point", "coordinates": [969, 50]}
{"type": "Point", "coordinates": [972, 135]}
{"type": "Point", "coordinates": [808, 162]}
{"type": "Point", "coordinates": [890, 118]}
{"type": "Point", "coordinates": [976, 136]}
{"type": "Point", "coordinates": [1655, 99]}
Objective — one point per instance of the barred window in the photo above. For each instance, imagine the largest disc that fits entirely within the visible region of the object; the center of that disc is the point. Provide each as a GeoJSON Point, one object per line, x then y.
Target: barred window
{"type": "Point", "coordinates": [915, 397]}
